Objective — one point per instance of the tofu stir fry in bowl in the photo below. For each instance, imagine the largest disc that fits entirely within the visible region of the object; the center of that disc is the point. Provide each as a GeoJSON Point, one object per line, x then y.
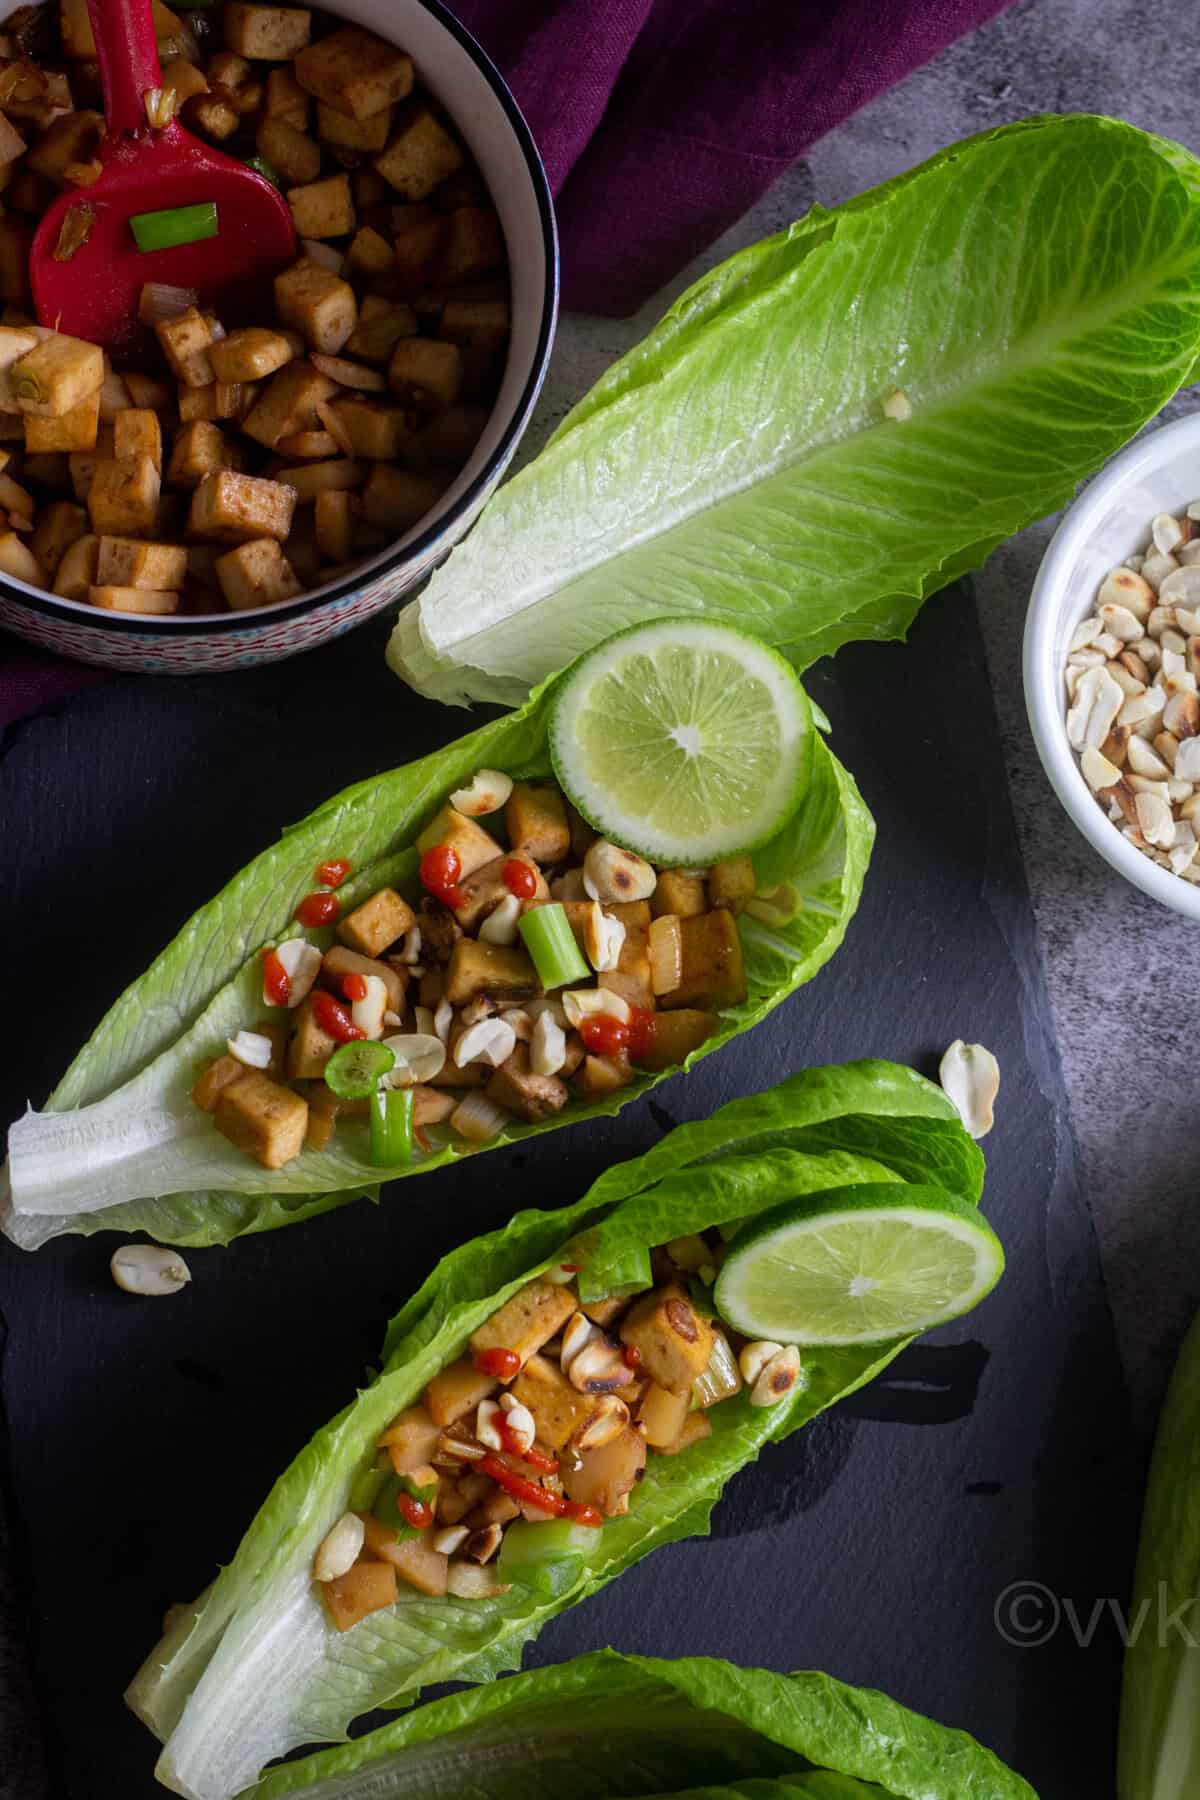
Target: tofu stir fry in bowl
{"type": "Point", "coordinates": [550, 963]}
{"type": "Point", "coordinates": [246, 461]}
{"type": "Point", "coordinates": [526, 1444]}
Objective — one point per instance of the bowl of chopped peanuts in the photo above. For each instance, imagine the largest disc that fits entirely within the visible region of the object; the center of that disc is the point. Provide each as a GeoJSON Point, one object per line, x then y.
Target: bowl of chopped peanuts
{"type": "Point", "coordinates": [1112, 662]}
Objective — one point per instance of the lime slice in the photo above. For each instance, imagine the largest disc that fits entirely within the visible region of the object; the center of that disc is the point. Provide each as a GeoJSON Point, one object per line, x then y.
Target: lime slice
{"type": "Point", "coordinates": [684, 741]}
{"type": "Point", "coordinates": [858, 1266]}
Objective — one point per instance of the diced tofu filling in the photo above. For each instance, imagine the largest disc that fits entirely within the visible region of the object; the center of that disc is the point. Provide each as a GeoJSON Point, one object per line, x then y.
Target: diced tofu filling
{"type": "Point", "coordinates": [456, 986]}
{"type": "Point", "coordinates": [551, 1413]}
{"type": "Point", "coordinates": [255, 434]}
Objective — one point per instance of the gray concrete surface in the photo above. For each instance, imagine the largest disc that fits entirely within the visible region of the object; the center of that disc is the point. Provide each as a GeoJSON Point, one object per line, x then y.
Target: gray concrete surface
{"type": "Point", "coordinates": [1115, 961]}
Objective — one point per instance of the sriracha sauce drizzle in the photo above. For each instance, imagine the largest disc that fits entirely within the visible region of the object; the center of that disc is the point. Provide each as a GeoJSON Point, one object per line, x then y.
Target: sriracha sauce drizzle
{"type": "Point", "coordinates": [333, 1018]}
{"type": "Point", "coordinates": [277, 986]}
{"type": "Point", "coordinates": [503, 1364]}
{"type": "Point", "coordinates": [318, 909]}
{"type": "Point", "coordinates": [440, 869]}
{"type": "Point", "coordinates": [417, 1513]}
{"type": "Point", "coordinates": [332, 873]}
{"type": "Point", "coordinates": [354, 987]}
{"type": "Point", "coordinates": [531, 1493]}
{"type": "Point", "coordinates": [519, 878]}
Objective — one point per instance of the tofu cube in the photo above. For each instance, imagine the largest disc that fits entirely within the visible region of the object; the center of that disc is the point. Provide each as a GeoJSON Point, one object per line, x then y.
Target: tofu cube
{"type": "Point", "coordinates": [134, 600]}
{"type": "Point", "coordinates": [59, 525]}
{"type": "Point", "coordinates": [137, 432]}
{"type": "Point", "coordinates": [73, 137]}
{"type": "Point", "coordinates": [420, 154]}
{"type": "Point", "coordinates": [319, 305]}
{"type": "Point", "coordinates": [185, 341]}
{"type": "Point", "coordinates": [256, 574]}
{"type": "Point", "coordinates": [57, 375]}
{"type": "Point", "coordinates": [341, 961]}
{"type": "Point", "coordinates": [288, 404]}
{"type": "Point", "coordinates": [123, 496]}
{"type": "Point", "coordinates": [394, 500]}
{"type": "Point", "coordinates": [310, 1046]}
{"type": "Point", "coordinates": [266, 33]}
{"type": "Point", "coordinates": [378, 922]}
{"type": "Point", "coordinates": [183, 78]}
{"type": "Point", "coordinates": [472, 845]}
{"type": "Point", "coordinates": [349, 133]}
{"type": "Point", "coordinates": [77, 570]}
{"type": "Point", "coordinates": [223, 400]}
{"type": "Point", "coordinates": [250, 354]}
{"type": "Point", "coordinates": [130, 562]}
{"type": "Point", "coordinates": [74, 430]}
{"type": "Point", "coordinates": [369, 254]}
{"type": "Point", "coordinates": [334, 521]}
{"type": "Point", "coordinates": [483, 890]}
{"type": "Point", "coordinates": [214, 116]}
{"type": "Point", "coordinates": [472, 246]}
{"type": "Point", "coordinates": [18, 560]}
{"type": "Point", "coordinates": [425, 373]}
{"type": "Point", "coordinates": [536, 818]}
{"type": "Point", "coordinates": [199, 450]}
{"type": "Point", "coordinates": [234, 509]}
{"type": "Point", "coordinates": [532, 1097]}
{"type": "Point", "coordinates": [478, 325]}
{"type": "Point", "coordinates": [599, 1076]}
{"type": "Point", "coordinates": [381, 325]}
{"type": "Point", "coordinates": [675, 1341]}
{"type": "Point", "coordinates": [355, 71]}
{"type": "Point", "coordinates": [679, 892]}
{"type": "Point", "coordinates": [216, 1078]}
{"type": "Point", "coordinates": [731, 883]}
{"type": "Point", "coordinates": [296, 156]}
{"type": "Point", "coordinates": [365, 1588]}
{"type": "Point", "coordinates": [457, 1390]}
{"type": "Point", "coordinates": [418, 235]}
{"type": "Point", "coordinates": [526, 1321]}
{"type": "Point", "coordinates": [410, 1439]}
{"type": "Point", "coordinates": [559, 1410]}
{"type": "Point", "coordinates": [323, 209]}
{"type": "Point", "coordinates": [632, 977]}
{"type": "Point", "coordinates": [494, 971]}
{"type": "Point", "coordinates": [662, 1415]}
{"type": "Point", "coordinates": [372, 430]}
{"type": "Point", "coordinates": [712, 975]}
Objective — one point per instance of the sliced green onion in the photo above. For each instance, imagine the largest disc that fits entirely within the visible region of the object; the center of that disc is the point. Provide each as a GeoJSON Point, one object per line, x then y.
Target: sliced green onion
{"type": "Point", "coordinates": [353, 1071]}
{"type": "Point", "coordinates": [387, 1512]}
{"type": "Point", "coordinates": [391, 1126]}
{"type": "Point", "coordinates": [630, 1274]}
{"type": "Point", "coordinates": [261, 166]}
{"type": "Point", "coordinates": [551, 943]}
{"type": "Point", "coordinates": [365, 1489]}
{"type": "Point", "coordinates": [176, 225]}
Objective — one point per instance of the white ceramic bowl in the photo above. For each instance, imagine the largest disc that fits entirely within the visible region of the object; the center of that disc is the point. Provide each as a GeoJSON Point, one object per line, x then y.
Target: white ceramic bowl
{"type": "Point", "coordinates": [454, 68]}
{"type": "Point", "coordinates": [1109, 521]}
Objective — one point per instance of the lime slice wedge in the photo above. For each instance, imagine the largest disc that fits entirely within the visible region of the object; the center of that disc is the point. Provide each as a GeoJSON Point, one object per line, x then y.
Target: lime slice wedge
{"type": "Point", "coordinates": [858, 1266]}
{"type": "Point", "coordinates": [684, 741]}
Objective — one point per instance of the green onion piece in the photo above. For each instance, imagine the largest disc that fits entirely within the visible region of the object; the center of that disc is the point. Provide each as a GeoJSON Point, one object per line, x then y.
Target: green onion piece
{"type": "Point", "coordinates": [551, 943]}
{"type": "Point", "coordinates": [353, 1071]}
{"type": "Point", "coordinates": [630, 1274]}
{"type": "Point", "coordinates": [365, 1489]}
{"type": "Point", "coordinates": [388, 1513]}
{"type": "Point", "coordinates": [261, 166]}
{"type": "Point", "coordinates": [391, 1126]}
{"type": "Point", "coordinates": [176, 225]}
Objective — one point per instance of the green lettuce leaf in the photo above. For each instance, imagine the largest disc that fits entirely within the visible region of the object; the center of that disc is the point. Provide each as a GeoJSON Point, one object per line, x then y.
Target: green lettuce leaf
{"type": "Point", "coordinates": [120, 1145]}
{"type": "Point", "coordinates": [254, 1669]}
{"type": "Point", "coordinates": [1034, 291]}
{"type": "Point", "coordinates": [612, 1727]}
{"type": "Point", "coordinates": [1159, 1754]}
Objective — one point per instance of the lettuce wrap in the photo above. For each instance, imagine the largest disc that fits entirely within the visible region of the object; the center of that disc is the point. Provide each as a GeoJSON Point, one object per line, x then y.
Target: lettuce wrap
{"type": "Point", "coordinates": [121, 1146]}
{"type": "Point", "coordinates": [612, 1727]}
{"type": "Point", "coordinates": [254, 1668]}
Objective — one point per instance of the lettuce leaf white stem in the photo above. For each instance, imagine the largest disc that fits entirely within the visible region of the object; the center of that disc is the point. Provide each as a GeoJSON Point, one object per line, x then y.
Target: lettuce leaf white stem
{"type": "Point", "coordinates": [1035, 293]}
{"type": "Point", "coordinates": [256, 1668]}
{"type": "Point", "coordinates": [606, 1726]}
{"type": "Point", "coordinates": [120, 1144]}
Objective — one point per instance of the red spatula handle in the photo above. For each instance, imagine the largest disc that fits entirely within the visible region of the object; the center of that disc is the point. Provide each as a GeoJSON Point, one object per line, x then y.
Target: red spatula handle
{"type": "Point", "coordinates": [128, 54]}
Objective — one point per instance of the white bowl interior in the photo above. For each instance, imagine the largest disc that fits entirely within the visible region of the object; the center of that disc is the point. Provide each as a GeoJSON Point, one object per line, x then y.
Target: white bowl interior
{"type": "Point", "coordinates": [449, 71]}
{"type": "Point", "coordinates": [1110, 521]}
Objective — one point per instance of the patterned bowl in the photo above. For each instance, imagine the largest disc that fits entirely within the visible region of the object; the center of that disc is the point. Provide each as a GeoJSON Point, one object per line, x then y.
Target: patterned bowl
{"type": "Point", "coordinates": [454, 67]}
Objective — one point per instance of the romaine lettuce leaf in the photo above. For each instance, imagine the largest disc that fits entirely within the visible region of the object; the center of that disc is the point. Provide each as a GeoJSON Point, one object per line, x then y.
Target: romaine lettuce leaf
{"type": "Point", "coordinates": [255, 1669]}
{"type": "Point", "coordinates": [120, 1144]}
{"type": "Point", "coordinates": [606, 1726]}
{"type": "Point", "coordinates": [1034, 291]}
{"type": "Point", "coordinates": [1159, 1753]}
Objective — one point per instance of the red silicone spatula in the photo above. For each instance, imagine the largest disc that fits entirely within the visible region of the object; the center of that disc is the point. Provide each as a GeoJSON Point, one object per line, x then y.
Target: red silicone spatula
{"type": "Point", "coordinates": [94, 294]}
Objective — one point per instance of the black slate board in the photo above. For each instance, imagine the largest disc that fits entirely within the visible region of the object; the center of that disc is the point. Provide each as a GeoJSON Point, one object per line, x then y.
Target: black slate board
{"type": "Point", "coordinates": [875, 1545]}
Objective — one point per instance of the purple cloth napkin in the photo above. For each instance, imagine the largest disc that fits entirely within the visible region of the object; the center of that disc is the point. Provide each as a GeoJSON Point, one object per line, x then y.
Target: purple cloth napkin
{"type": "Point", "coordinates": [660, 122]}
